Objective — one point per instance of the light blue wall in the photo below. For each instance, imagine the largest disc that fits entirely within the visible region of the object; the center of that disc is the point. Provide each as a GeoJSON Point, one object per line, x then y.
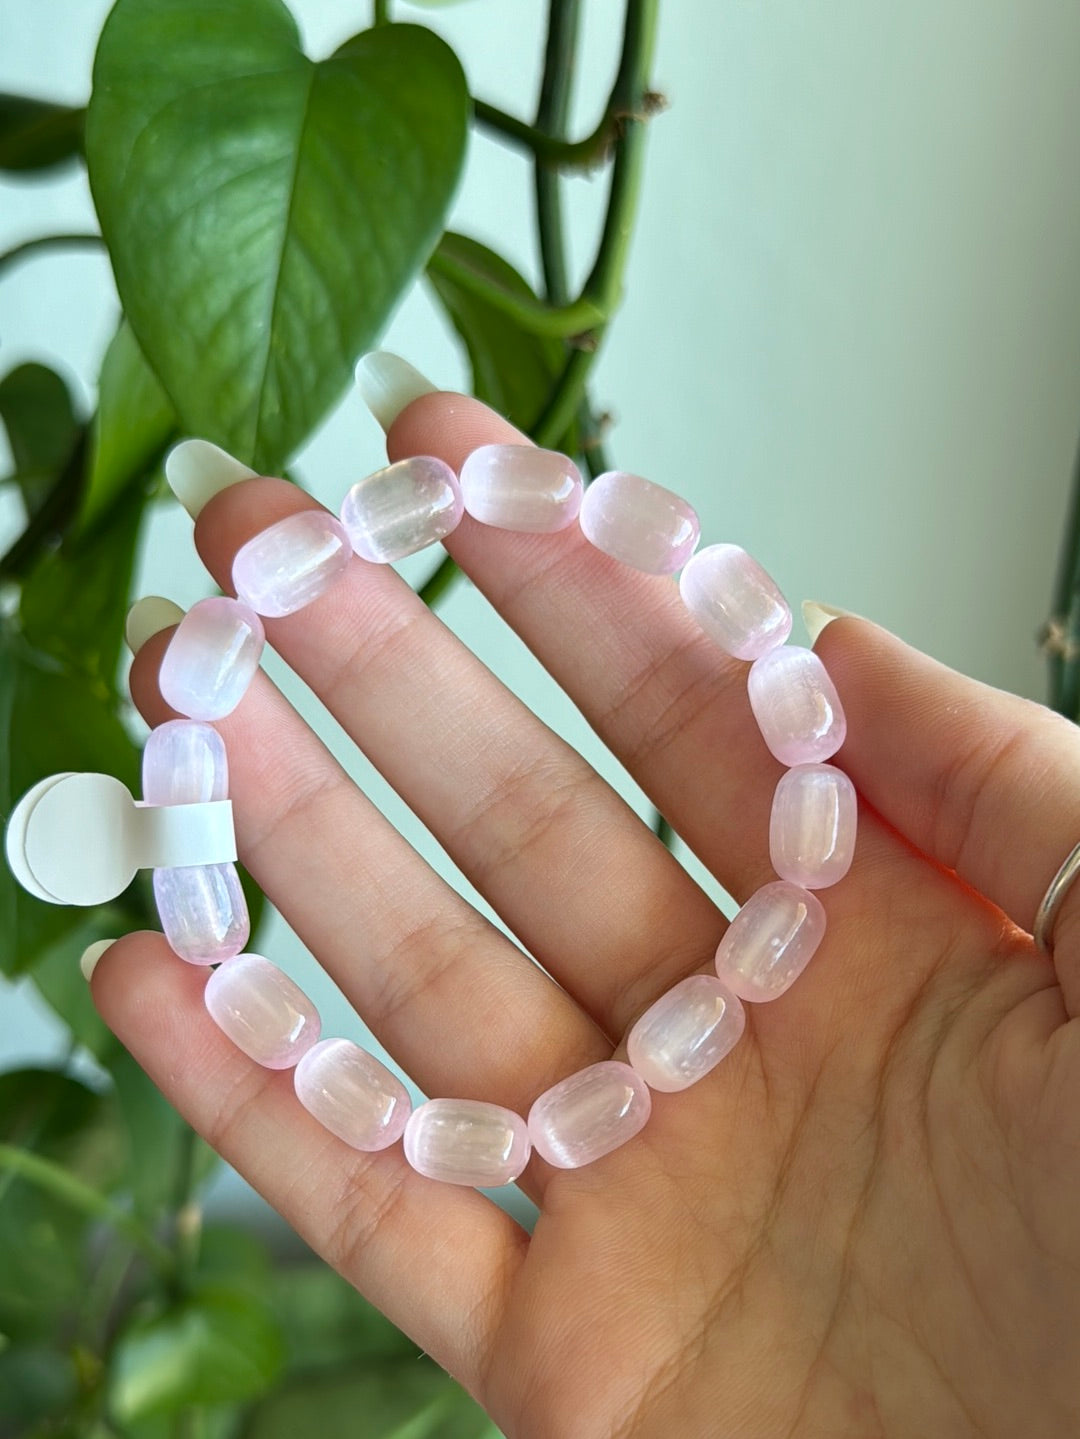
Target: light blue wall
{"type": "Point", "coordinates": [852, 324]}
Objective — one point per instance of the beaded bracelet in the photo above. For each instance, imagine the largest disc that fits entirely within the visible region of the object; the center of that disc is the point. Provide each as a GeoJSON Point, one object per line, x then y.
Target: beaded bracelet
{"type": "Point", "coordinates": [211, 659]}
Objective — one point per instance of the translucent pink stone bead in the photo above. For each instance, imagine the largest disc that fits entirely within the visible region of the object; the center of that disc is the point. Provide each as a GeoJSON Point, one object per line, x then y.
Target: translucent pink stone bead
{"type": "Point", "coordinates": [639, 523]}
{"type": "Point", "coordinates": [211, 658]}
{"type": "Point", "coordinates": [466, 1141]}
{"type": "Point", "coordinates": [812, 830]}
{"type": "Point", "coordinates": [518, 487]}
{"type": "Point", "coordinates": [770, 941]}
{"type": "Point", "coordinates": [402, 509]}
{"type": "Point", "coordinates": [262, 1011]}
{"type": "Point", "coordinates": [350, 1093]}
{"type": "Point", "coordinates": [685, 1034]}
{"type": "Point", "coordinates": [292, 563]}
{"type": "Point", "coordinates": [796, 706]}
{"type": "Point", "coordinates": [735, 601]}
{"type": "Point", "coordinates": [203, 911]}
{"type": "Point", "coordinates": [184, 762]}
{"type": "Point", "coordinates": [589, 1114]}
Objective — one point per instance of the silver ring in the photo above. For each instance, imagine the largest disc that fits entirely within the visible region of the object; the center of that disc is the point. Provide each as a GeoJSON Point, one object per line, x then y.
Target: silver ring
{"type": "Point", "coordinates": [1053, 899]}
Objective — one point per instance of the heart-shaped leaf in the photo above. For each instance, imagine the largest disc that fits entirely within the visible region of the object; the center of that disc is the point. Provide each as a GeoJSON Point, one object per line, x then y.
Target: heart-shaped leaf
{"type": "Point", "coordinates": [264, 213]}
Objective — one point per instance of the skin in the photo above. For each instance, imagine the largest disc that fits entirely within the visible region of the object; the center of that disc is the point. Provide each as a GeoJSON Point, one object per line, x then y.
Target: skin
{"type": "Point", "coordinates": [862, 1222]}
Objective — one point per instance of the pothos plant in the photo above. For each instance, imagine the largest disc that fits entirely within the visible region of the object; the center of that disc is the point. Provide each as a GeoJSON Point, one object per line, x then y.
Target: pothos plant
{"type": "Point", "coordinates": [263, 213]}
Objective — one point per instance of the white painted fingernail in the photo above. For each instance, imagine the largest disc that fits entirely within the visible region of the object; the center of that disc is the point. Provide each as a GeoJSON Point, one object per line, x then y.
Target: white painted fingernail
{"type": "Point", "coordinates": [148, 617]}
{"type": "Point", "coordinates": [88, 960]}
{"type": "Point", "coordinates": [387, 383]}
{"type": "Point", "coordinates": [197, 471]}
{"type": "Point", "coordinates": [817, 615]}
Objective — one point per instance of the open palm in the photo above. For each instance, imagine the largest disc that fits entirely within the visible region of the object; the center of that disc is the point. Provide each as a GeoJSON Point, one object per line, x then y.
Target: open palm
{"type": "Point", "coordinates": [861, 1223]}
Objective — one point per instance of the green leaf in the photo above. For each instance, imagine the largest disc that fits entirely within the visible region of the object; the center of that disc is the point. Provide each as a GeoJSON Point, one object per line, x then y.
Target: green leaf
{"type": "Point", "coordinates": [59, 980]}
{"type": "Point", "coordinates": [219, 1346]}
{"type": "Point", "coordinates": [513, 372]}
{"type": "Point", "coordinates": [133, 424]}
{"type": "Point", "coordinates": [75, 600]}
{"type": "Point", "coordinates": [50, 721]}
{"type": "Point", "coordinates": [327, 1324]}
{"type": "Point", "coordinates": [415, 1400]}
{"type": "Point", "coordinates": [38, 414]}
{"type": "Point", "coordinates": [39, 417]}
{"type": "Point", "coordinates": [155, 1134]}
{"type": "Point", "coordinates": [35, 1382]}
{"type": "Point", "coordinates": [42, 1237]}
{"type": "Point", "coordinates": [265, 213]}
{"type": "Point", "coordinates": [35, 135]}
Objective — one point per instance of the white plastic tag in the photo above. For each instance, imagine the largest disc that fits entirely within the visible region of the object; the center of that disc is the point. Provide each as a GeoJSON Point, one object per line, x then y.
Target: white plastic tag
{"type": "Point", "coordinates": [80, 838]}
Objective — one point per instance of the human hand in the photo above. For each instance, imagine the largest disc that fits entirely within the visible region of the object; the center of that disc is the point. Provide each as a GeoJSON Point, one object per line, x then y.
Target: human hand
{"type": "Point", "coordinates": [862, 1222]}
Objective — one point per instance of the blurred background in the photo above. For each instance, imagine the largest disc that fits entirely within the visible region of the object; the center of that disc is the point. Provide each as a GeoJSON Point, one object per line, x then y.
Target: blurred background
{"type": "Point", "coordinates": [850, 333]}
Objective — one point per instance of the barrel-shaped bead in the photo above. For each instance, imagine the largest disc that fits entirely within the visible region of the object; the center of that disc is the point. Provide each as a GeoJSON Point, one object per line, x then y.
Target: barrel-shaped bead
{"type": "Point", "coordinates": [735, 601]}
{"type": "Point", "coordinates": [770, 941]}
{"type": "Point", "coordinates": [202, 911]}
{"type": "Point", "coordinates": [352, 1094]}
{"type": "Point", "coordinates": [588, 1114]}
{"type": "Point", "coordinates": [796, 706]}
{"type": "Point", "coordinates": [813, 824]}
{"type": "Point", "coordinates": [184, 762]}
{"type": "Point", "coordinates": [639, 523]}
{"type": "Point", "coordinates": [262, 1011]}
{"type": "Point", "coordinates": [290, 564]}
{"type": "Point", "coordinates": [402, 508]}
{"type": "Point", "coordinates": [467, 1141]}
{"type": "Point", "coordinates": [211, 658]}
{"type": "Point", "coordinates": [520, 487]}
{"type": "Point", "coordinates": [685, 1033]}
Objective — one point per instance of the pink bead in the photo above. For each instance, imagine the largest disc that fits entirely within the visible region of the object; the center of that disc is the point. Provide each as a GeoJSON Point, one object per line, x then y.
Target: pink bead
{"type": "Point", "coordinates": [290, 564]}
{"type": "Point", "coordinates": [639, 523]}
{"type": "Point", "coordinates": [350, 1093]}
{"type": "Point", "coordinates": [685, 1034]}
{"type": "Point", "coordinates": [796, 706]}
{"type": "Point", "coordinates": [466, 1141]}
{"type": "Point", "coordinates": [212, 658]}
{"type": "Point", "coordinates": [203, 911]}
{"type": "Point", "coordinates": [770, 941]}
{"type": "Point", "coordinates": [588, 1114]}
{"type": "Point", "coordinates": [812, 831]}
{"type": "Point", "coordinates": [735, 601]}
{"type": "Point", "coordinates": [262, 1011]}
{"type": "Point", "coordinates": [518, 487]}
{"type": "Point", "coordinates": [184, 762]}
{"type": "Point", "coordinates": [402, 509]}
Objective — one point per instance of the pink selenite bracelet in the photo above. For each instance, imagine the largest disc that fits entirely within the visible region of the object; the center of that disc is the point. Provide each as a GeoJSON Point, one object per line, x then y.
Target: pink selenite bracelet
{"type": "Point", "coordinates": [680, 1038]}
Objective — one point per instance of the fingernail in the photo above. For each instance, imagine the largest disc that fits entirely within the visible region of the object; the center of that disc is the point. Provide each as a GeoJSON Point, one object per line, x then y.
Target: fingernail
{"type": "Point", "coordinates": [197, 471]}
{"type": "Point", "coordinates": [148, 617]}
{"type": "Point", "coordinates": [88, 960]}
{"type": "Point", "coordinates": [816, 616]}
{"type": "Point", "coordinates": [387, 383]}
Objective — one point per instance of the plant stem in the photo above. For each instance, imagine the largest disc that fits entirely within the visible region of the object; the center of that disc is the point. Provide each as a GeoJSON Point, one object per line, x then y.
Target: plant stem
{"type": "Point", "coordinates": [562, 154]}
{"type": "Point", "coordinates": [43, 243]}
{"type": "Point", "coordinates": [64, 1186]}
{"type": "Point", "coordinates": [1061, 634]}
{"type": "Point", "coordinates": [663, 831]}
{"type": "Point", "coordinates": [186, 1212]}
{"type": "Point", "coordinates": [381, 12]}
{"type": "Point", "coordinates": [552, 110]}
{"type": "Point", "coordinates": [51, 517]}
{"type": "Point", "coordinates": [532, 315]}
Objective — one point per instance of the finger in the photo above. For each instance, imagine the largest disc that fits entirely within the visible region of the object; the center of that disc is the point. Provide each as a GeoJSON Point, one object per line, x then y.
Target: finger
{"type": "Point", "coordinates": [437, 1259]}
{"type": "Point", "coordinates": [455, 1002]}
{"type": "Point", "coordinates": [560, 856]}
{"type": "Point", "coordinates": [667, 701]}
{"type": "Point", "coordinates": [985, 782]}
